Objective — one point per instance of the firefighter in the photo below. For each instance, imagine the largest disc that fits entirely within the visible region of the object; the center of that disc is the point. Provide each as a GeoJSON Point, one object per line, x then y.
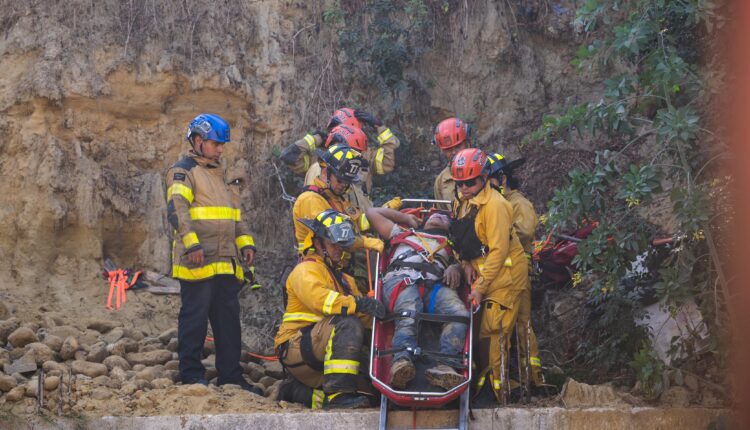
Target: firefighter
{"type": "Point", "coordinates": [322, 333]}
{"type": "Point", "coordinates": [422, 277]}
{"type": "Point", "coordinates": [211, 240]}
{"type": "Point", "coordinates": [342, 165]}
{"type": "Point", "coordinates": [525, 222]}
{"type": "Point", "coordinates": [494, 263]}
{"type": "Point", "coordinates": [451, 136]}
{"type": "Point", "coordinates": [301, 155]}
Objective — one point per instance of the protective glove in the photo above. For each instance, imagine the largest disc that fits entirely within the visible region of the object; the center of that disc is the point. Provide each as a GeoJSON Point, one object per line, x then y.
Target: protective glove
{"type": "Point", "coordinates": [368, 118]}
{"type": "Point", "coordinates": [323, 136]}
{"type": "Point", "coordinates": [394, 203]}
{"type": "Point", "coordinates": [370, 306]}
{"type": "Point", "coordinates": [374, 244]}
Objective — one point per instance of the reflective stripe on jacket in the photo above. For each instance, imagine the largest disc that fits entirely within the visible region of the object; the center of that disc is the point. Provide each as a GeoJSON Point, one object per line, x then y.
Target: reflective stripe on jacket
{"type": "Point", "coordinates": [310, 203]}
{"type": "Point", "coordinates": [205, 213]}
{"type": "Point", "coordinates": [314, 293]}
{"type": "Point", "coordinates": [301, 157]}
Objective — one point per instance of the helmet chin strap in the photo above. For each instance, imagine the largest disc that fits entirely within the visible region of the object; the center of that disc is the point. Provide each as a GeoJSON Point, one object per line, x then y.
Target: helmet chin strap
{"type": "Point", "coordinates": [195, 149]}
{"type": "Point", "coordinates": [328, 179]}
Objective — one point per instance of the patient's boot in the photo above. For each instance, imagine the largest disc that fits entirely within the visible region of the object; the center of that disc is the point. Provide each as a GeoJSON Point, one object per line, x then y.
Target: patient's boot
{"type": "Point", "coordinates": [402, 372]}
{"type": "Point", "coordinates": [443, 376]}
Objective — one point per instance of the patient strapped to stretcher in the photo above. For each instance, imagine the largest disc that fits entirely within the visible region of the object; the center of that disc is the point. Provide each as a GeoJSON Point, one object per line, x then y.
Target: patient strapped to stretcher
{"type": "Point", "coordinates": [422, 278]}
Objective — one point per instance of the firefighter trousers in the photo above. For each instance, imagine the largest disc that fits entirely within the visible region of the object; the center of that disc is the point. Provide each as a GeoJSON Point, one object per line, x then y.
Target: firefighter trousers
{"type": "Point", "coordinates": [496, 326]}
{"type": "Point", "coordinates": [215, 300]}
{"type": "Point", "coordinates": [326, 355]}
{"type": "Point", "coordinates": [527, 344]}
{"type": "Point", "coordinates": [437, 300]}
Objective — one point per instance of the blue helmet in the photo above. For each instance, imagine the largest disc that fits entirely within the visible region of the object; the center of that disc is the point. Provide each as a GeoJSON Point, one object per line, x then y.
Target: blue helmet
{"type": "Point", "coordinates": [210, 127]}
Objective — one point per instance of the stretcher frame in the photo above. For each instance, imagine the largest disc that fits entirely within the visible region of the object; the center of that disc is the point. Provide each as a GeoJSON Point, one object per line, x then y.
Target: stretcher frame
{"type": "Point", "coordinates": [416, 399]}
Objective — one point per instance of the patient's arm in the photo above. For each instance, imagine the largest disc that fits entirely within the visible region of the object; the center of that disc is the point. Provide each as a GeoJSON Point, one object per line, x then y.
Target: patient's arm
{"type": "Point", "coordinates": [382, 220]}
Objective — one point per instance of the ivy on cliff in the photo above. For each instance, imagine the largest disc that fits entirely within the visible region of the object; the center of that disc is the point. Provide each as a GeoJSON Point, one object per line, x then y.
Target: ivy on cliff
{"type": "Point", "coordinates": [651, 120]}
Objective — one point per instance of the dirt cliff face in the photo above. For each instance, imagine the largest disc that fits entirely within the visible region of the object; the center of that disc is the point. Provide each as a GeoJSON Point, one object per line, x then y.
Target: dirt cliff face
{"type": "Point", "coordinates": [96, 96]}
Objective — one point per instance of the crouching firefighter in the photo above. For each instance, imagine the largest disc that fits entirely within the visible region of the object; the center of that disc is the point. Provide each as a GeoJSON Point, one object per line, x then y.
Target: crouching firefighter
{"type": "Point", "coordinates": [494, 263]}
{"type": "Point", "coordinates": [420, 285]}
{"type": "Point", "coordinates": [321, 336]}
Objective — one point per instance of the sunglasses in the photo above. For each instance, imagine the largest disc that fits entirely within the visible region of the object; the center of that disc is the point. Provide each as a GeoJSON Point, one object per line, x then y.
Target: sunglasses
{"type": "Point", "coordinates": [467, 183]}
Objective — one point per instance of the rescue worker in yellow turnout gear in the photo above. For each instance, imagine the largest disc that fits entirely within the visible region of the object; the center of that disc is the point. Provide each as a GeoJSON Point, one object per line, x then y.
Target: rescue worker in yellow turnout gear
{"type": "Point", "coordinates": [301, 156]}
{"type": "Point", "coordinates": [451, 136]}
{"type": "Point", "coordinates": [525, 222]}
{"type": "Point", "coordinates": [342, 165]}
{"type": "Point", "coordinates": [211, 238]}
{"type": "Point", "coordinates": [321, 336]}
{"type": "Point", "coordinates": [494, 264]}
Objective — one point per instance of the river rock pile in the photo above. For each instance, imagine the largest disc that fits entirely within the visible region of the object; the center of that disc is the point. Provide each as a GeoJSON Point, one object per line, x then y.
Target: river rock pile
{"type": "Point", "coordinates": [102, 361]}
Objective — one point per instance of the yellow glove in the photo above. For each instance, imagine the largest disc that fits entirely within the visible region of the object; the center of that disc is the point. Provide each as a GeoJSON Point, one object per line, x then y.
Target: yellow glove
{"type": "Point", "coordinates": [394, 203]}
{"type": "Point", "coordinates": [374, 244]}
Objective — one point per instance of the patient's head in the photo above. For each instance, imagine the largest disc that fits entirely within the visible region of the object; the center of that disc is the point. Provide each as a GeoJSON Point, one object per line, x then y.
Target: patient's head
{"type": "Point", "coordinates": [438, 221]}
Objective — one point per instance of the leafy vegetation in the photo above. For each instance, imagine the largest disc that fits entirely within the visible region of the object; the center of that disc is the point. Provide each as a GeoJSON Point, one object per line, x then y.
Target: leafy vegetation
{"type": "Point", "coordinates": [380, 38]}
{"type": "Point", "coordinates": [651, 129]}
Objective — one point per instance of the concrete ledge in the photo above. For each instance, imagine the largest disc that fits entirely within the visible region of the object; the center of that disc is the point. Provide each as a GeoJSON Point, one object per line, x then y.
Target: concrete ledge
{"type": "Point", "coordinates": [501, 418]}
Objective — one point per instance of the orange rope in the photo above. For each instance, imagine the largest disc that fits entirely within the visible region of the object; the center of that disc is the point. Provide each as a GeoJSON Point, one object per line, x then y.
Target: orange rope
{"type": "Point", "coordinates": [264, 357]}
{"type": "Point", "coordinates": [370, 293]}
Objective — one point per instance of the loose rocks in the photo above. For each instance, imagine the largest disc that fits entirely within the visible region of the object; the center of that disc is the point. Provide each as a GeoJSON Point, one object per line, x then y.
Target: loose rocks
{"type": "Point", "coordinates": [22, 336]}
{"type": "Point", "coordinates": [38, 353]}
{"type": "Point", "coordinates": [69, 348]}
{"type": "Point", "coordinates": [7, 383]}
{"type": "Point", "coordinates": [150, 358]}
{"type": "Point", "coordinates": [116, 361]}
{"type": "Point", "coordinates": [88, 368]}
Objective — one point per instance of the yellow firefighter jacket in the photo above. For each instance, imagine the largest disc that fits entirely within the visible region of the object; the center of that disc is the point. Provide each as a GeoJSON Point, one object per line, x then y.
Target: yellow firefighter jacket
{"type": "Point", "coordinates": [503, 271]}
{"type": "Point", "coordinates": [445, 187]}
{"type": "Point", "coordinates": [311, 203]}
{"type": "Point", "coordinates": [525, 220]}
{"type": "Point", "coordinates": [355, 195]}
{"type": "Point", "coordinates": [313, 293]}
{"type": "Point", "coordinates": [205, 212]}
{"type": "Point", "coordinates": [381, 160]}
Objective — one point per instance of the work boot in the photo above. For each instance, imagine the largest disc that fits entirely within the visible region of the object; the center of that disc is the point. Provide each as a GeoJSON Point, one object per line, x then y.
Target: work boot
{"type": "Point", "coordinates": [190, 381]}
{"type": "Point", "coordinates": [251, 388]}
{"type": "Point", "coordinates": [443, 376]}
{"type": "Point", "coordinates": [348, 401]}
{"type": "Point", "coordinates": [402, 371]}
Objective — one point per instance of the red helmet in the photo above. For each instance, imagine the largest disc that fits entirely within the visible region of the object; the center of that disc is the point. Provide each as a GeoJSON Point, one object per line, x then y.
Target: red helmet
{"type": "Point", "coordinates": [451, 132]}
{"type": "Point", "coordinates": [354, 137]}
{"type": "Point", "coordinates": [344, 116]}
{"type": "Point", "coordinates": [468, 163]}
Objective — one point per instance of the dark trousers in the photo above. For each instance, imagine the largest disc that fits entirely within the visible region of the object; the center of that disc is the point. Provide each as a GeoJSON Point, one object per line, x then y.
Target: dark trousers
{"type": "Point", "coordinates": [215, 300]}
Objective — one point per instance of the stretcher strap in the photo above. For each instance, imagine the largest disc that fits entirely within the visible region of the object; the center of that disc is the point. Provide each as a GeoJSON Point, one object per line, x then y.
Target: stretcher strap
{"type": "Point", "coordinates": [423, 316]}
{"type": "Point", "coordinates": [419, 352]}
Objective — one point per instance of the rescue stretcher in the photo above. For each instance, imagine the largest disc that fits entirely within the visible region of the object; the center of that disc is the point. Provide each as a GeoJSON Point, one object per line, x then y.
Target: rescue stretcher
{"type": "Point", "coordinates": [418, 394]}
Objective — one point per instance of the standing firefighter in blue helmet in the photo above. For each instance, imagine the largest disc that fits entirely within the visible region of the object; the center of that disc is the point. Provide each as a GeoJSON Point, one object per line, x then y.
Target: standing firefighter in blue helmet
{"type": "Point", "coordinates": [210, 242]}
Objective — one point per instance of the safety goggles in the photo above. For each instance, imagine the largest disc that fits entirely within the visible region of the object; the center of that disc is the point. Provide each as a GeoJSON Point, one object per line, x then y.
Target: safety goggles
{"type": "Point", "coordinates": [467, 183]}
